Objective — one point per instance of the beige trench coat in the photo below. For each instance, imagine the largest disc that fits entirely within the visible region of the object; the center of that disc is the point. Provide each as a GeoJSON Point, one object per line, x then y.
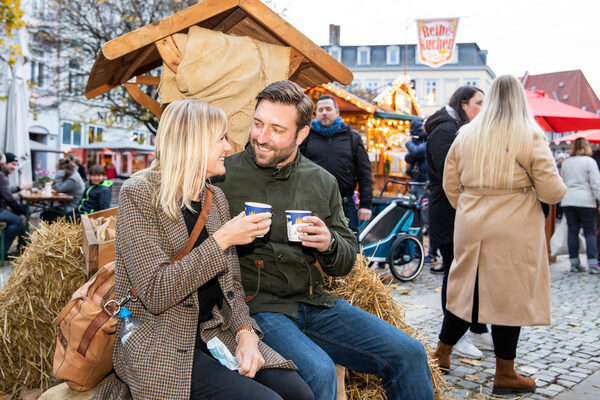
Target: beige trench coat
{"type": "Point", "coordinates": [156, 361]}
{"type": "Point", "coordinates": [499, 237]}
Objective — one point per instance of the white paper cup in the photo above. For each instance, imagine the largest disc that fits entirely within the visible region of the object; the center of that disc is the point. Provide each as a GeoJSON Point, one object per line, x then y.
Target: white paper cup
{"type": "Point", "coordinates": [294, 220]}
{"type": "Point", "coordinates": [253, 208]}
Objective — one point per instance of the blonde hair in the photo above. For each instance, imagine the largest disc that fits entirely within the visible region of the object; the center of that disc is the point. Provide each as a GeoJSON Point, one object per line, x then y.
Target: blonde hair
{"type": "Point", "coordinates": [186, 133]}
{"type": "Point", "coordinates": [581, 147]}
{"type": "Point", "coordinates": [501, 133]}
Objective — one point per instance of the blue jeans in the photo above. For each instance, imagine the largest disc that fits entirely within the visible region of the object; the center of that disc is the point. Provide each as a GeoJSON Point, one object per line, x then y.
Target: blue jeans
{"type": "Point", "coordinates": [14, 227]}
{"type": "Point", "coordinates": [577, 218]}
{"type": "Point", "coordinates": [345, 335]}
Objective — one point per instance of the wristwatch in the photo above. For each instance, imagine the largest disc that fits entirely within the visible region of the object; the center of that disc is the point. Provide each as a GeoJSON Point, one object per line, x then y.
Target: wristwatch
{"type": "Point", "coordinates": [331, 244]}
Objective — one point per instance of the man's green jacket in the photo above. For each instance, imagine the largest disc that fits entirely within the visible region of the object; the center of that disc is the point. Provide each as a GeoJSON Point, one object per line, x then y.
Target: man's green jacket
{"type": "Point", "coordinates": [278, 274]}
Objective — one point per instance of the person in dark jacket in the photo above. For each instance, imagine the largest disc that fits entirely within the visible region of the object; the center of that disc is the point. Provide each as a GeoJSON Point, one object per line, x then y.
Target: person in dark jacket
{"type": "Point", "coordinates": [442, 127]}
{"type": "Point", "coordinates": [339, 149]}
{"type": "Point", "coordinates": [417, 168]}
{"type": "Point", "coordinates": [303, 323]}
{"type": "Point", "coordinates": [10, 211]}
{"type": "Point", "coordinates": [98, 193]}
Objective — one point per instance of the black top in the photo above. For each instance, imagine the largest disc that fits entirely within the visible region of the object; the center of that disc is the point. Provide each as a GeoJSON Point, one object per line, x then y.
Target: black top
{"type": "Point", "coordinates": [209, 294]}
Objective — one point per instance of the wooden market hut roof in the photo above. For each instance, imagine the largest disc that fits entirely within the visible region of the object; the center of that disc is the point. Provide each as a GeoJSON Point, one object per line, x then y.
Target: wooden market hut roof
{"type": "Point", "coordinates": [146, 48]}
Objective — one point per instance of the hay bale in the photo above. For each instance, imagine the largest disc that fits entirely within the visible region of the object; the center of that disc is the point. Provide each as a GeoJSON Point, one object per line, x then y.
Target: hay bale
{"type": "Point", "coordinates": [363, 288]}
{"type": "Point", "coordinates": [41, 284]}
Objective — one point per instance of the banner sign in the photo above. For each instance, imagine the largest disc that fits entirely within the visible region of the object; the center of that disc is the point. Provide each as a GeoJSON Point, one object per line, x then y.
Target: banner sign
{"type": "Point", "coordinates": [436, 44]}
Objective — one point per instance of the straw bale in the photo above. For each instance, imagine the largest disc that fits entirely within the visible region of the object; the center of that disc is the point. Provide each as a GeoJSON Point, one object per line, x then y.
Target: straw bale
{"type": "Point", "coordinates": [42, 282]}
{"type": "Point", "coordinates": [363, 288]}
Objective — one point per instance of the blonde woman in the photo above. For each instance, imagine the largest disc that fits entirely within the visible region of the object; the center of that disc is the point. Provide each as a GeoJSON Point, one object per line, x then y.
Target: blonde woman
{"type": "Point", "coordinates": [497, 171]}
{"type": "Point", "coordinates": [580, 174]}
{"type": "Point", "coordinates": [187, 299]}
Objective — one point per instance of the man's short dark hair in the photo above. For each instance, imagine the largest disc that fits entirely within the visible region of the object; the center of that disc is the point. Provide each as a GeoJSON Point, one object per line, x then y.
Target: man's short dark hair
{"type": "Point", "coordinates": [97, 170]}
{"type": "Point", "coordinates": [288, 92]}
{"type": "Point", "coordinates": [327, 97]}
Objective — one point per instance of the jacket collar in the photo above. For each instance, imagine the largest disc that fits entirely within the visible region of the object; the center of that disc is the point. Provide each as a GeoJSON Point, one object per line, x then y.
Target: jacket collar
{"type": "Point", "coordinates": [277, 173]}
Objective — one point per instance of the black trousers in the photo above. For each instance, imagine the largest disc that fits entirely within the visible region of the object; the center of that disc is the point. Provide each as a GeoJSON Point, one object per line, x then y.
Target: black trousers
{"type": "Point", "coordinates": [505, 337]}
{"type": "Point", "coordinates": [212, 381]}
{"type": "Point", "coordinates": [447, 252]}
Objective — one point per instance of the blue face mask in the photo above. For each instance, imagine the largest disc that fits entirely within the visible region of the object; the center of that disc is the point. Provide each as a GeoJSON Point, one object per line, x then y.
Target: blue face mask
{"type": "Point", "coordinates": [222, 354]}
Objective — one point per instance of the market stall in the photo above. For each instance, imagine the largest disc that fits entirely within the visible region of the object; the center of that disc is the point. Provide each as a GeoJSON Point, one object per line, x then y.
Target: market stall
{"type": "Point", "coordinates": [384, 133]}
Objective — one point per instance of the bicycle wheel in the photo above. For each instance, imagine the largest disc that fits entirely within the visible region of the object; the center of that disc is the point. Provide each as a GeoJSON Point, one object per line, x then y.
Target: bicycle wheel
{"type": "Point", "coordinates": [406, 258]}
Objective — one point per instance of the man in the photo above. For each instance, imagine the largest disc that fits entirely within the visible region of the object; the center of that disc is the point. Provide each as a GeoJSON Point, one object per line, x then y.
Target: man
{"type": "Point", "coordinates": [336, 147]}
{"type": "Point", "coordinates": [282, 283]}
{"type": "Point", "coordinates": [10, 211]}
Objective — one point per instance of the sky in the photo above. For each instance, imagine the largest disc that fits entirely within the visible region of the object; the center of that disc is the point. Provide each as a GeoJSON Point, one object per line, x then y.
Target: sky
{"type": "Point", "coordinates": [537, 36]}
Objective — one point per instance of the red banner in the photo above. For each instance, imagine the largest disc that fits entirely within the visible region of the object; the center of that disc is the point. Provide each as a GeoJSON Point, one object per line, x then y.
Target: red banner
{"type": "Point", "coordinates": [436, 44]}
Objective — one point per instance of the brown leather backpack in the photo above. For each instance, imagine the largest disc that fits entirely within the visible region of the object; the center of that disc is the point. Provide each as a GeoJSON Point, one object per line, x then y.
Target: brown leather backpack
{"type": "Point", "coordinates": [85, 332]}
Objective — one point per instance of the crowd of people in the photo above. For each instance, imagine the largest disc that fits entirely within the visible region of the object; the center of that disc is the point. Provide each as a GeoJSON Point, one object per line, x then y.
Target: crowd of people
{"type": "Point", "coordinates": [203, 269]}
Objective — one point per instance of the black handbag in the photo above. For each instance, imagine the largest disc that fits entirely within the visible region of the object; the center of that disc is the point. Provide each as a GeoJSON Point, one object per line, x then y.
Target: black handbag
{"type": "Point", "coordinates": [545, 206]}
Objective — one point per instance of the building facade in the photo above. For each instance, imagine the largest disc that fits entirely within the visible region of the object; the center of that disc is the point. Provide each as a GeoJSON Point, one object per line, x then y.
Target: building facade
{"type": "Point", "coordinates": [375, 69]}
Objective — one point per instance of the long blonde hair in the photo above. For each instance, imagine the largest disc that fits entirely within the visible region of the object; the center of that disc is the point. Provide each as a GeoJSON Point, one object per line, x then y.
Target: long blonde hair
{"type": "Point", "coordinates": [186, 133]}
{"type": "Point", "coordinates": [501, 133]}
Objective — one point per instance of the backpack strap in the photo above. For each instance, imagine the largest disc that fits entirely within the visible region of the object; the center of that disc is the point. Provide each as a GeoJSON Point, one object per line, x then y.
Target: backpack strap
{"type": "Point", "coordinates": [197, 227]}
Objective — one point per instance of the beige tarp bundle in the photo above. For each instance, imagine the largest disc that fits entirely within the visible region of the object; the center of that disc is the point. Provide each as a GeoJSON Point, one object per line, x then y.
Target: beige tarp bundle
{"type": "Point", "coordinates": [225, 71]}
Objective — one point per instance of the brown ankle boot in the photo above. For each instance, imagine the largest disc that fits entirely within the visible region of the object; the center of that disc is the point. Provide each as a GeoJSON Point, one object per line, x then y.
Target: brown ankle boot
{"type": "Point", "coordinates": [508, 381]}
{"type": "Point", "coordinates": [442, 355]}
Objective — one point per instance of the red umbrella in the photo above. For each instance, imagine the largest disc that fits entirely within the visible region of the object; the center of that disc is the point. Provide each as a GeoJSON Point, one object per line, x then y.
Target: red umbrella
{"type": "Point", "coordinates": [592, 136]}
{"type": "Point", "coordinates": [554, 116]}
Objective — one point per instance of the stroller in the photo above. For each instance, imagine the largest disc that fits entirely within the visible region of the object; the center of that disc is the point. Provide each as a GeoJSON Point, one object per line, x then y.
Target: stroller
{"type": "Point", "coordinates": [394, 235]}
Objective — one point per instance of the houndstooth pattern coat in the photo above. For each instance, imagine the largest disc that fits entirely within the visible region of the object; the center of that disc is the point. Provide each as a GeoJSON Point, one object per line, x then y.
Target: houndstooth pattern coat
{"type": "Point", "coordinates": [156, 361]}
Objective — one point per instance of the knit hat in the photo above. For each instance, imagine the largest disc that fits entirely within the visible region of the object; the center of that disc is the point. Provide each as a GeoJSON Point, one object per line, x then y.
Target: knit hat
{"type": "Point", "coordinates": [10, 157]}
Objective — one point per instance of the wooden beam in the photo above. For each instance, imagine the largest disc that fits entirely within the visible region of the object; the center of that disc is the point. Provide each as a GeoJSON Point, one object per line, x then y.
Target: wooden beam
{"type": "Point", "coordinates": [296, 59]}
{"type": "Point", "coordinates": [165, 27]}
{"type": "Point", "coordinates": [143, 99]}
{"type": "Point", "coordinates": [231, 20]}
{"type": "Point", "coordinates": [147, 80]}
{"type": "Point", "coordinates": [169, 52]}
{"type": "Point", "coordinates": [289, 35]}
{"type": "Point", "coordinates": [135, 63]}
{"type": "Point", "coordinates": [99, 90]}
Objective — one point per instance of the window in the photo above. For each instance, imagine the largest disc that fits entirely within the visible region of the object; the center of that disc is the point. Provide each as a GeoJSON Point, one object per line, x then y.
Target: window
{"type": "Point", "coordinates": [373, 86]}
{"type": "Point", "coordinates": [38, 7]}
{"type": "Point", "coordinates": [363, 56]}
{"type": "Point", "coordinates": [431, 91]}
{"type": "Point", "coordinates": [95, 134]}
{"type": "Point", "coordinates": [392, 55]}
{"type": "Point", "coordinates": [76, 78]}
{"type": "Point", "coordinates": [37, 68]}
{"type": "Point", "coordinates": [336, 53]}
{"type": "Point", "coordinates": [471, 82]}
{"type": "Point", "coordinates": [71, 133]}
{"type": "Point", "coordinates": [141, 137]}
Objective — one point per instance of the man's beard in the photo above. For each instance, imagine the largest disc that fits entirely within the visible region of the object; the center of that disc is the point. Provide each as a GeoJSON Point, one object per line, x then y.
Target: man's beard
{"type": "Point", "coordinates": [277, 157]}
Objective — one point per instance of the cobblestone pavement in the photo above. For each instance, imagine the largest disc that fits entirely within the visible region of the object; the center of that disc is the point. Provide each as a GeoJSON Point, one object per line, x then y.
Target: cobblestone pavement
{"type": "Point", "coordinates": [557, 356]}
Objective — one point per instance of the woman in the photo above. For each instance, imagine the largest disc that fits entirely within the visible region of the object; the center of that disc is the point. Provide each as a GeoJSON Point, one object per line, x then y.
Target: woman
{"type": "Point", "coordinates": [500, 272]}
{"type": "Point", "coordinates": [580, 174]}
{"type": "Point", "coordinates": [442, 126]}
{"type": "Point", "coordinates": [68, 182]}
{"type": "Point", "coordinates": [185, 303]}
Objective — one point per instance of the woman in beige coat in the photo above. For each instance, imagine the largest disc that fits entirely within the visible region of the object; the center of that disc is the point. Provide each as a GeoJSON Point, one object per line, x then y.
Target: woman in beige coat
{"type": "Point", "coordinates": [497, 171]}
{"type": "Point", "coordinates": [185, 301]}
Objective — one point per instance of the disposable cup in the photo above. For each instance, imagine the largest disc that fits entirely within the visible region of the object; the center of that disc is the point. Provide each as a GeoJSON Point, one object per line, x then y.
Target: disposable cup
{"type": "Point", "coordinates": [294, 220]}
{"type": "Point", "coordinates": [253, 208]}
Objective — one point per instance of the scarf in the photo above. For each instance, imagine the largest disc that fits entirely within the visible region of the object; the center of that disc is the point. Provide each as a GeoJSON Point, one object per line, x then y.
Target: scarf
{"type": "Point", "coordinates": [328, 132]}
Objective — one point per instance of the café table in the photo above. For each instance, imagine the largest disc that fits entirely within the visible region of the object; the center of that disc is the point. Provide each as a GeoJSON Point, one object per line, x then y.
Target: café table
{"type": "Point", "coordinates": [36, 201]}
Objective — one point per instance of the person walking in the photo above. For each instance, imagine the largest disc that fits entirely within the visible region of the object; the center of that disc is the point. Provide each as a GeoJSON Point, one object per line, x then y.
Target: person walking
{"type": "Point", "coordinates": [339, 149]}
{"type": "Point", "coordinates": [580, 204]}
{"type": "Point", "coordinates": [442, 126]}
{"type": "Point", "coordinates": [497, 172]}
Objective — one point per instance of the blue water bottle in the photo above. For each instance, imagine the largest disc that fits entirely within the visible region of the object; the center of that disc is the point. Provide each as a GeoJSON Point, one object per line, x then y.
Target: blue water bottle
{"type": "Point", "coordinates": [128, 324]}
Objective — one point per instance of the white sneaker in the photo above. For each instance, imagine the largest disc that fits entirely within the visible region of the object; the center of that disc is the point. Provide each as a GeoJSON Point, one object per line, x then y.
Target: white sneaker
{"type": "Point", "coordinates": [483, 341]}
{"type": "Point", "coordinates": [464, 348]}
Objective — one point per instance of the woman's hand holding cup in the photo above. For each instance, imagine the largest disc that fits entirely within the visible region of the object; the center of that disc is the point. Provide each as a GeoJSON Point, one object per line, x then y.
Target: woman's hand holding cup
{"type": "Point", "coordinates": [243, 229]}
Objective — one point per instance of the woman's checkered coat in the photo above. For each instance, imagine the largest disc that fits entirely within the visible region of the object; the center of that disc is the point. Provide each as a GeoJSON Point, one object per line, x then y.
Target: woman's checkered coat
{"type": "Point", "coordinates": [156, 361]}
